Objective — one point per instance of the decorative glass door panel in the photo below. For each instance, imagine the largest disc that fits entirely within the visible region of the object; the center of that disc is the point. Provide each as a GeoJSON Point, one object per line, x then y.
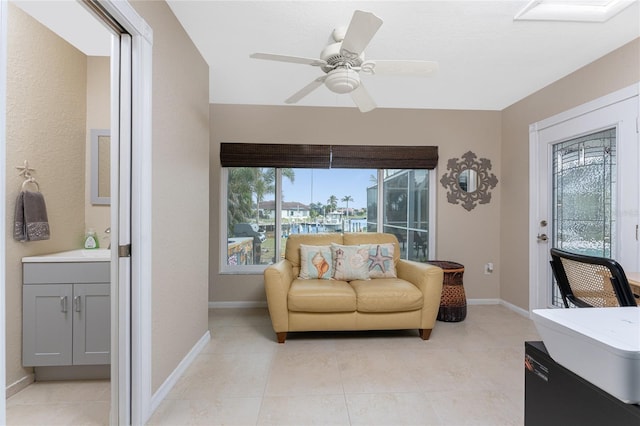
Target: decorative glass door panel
{"type": "Point", "coordinates": [584, 191]}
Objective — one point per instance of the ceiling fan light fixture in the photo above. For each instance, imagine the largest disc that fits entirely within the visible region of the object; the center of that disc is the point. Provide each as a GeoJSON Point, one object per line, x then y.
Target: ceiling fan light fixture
{"type": "Point", "coordinates": [342, 80]}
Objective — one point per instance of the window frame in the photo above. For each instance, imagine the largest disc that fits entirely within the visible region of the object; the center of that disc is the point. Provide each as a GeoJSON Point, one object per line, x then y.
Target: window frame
{"type": "Point", "coordinates": [226, 269]}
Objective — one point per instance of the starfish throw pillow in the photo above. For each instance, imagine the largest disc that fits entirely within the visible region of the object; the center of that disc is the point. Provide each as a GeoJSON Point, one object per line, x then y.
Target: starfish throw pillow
{"type": "Point", "coordinates": [381, 261]}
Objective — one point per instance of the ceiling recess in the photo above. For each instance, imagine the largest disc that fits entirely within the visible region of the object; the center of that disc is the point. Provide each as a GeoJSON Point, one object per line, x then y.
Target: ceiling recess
{"type": "Point", "coordinates": [572, 10]}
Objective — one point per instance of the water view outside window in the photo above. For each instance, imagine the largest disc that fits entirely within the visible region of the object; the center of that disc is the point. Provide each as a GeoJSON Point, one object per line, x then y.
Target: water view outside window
{"type": "Point", "coordinates": [321, 200]}
{"type": "Point", "coordinates": [334, 200]}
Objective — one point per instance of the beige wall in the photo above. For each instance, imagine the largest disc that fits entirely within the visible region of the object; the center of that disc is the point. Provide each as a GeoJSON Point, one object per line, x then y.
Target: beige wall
{"type": "Point", "coordinates": [46, 108]}
{"type": "Point", "coordinates": [97, 217]}
{"type": "Point", "coordinates": [180, 190]}
{"type": "Point", "coordinates": [471, 238]}
{"type": "Point", "coordinates": [495, 233]}
{"type": "Point", "coordinates": [619, 69]}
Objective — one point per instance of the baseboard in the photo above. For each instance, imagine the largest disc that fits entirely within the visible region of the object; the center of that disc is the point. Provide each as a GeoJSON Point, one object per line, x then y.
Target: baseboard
{"type": "Point", "coordinates": [20, 384]}
{"type": "Point", "coordinates": [483, 301]}
{"type": "Point", "coordinates": [510, 306]}
{"type": "Point", "coordinates": [72, 372]}
{"type": "Point", "coordinates": [171, 381]}
{"type": "Point", "coordinates": [516, 309]}
{"type": "Point", "coordinates": [238, 304]}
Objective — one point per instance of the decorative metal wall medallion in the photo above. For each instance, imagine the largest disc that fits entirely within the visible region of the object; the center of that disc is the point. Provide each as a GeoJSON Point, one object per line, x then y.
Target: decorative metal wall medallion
{"type": "Point", "coordinates": [469, 181]}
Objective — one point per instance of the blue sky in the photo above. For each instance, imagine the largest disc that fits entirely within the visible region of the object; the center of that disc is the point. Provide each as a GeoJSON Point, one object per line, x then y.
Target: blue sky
{"type": "Point", "coordinates": [327, 182]}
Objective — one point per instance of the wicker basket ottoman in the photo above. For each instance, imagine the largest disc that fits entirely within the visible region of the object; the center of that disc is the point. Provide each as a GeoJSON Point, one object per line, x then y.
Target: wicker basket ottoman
{"type": "Point", "coordinates": [453, 302]}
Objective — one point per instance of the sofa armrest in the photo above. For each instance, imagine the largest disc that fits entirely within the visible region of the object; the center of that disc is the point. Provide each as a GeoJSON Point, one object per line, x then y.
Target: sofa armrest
{"type": "Point", "coordinates": [428, 278]}
{"type": "Point", "coordinates": [277, 280]}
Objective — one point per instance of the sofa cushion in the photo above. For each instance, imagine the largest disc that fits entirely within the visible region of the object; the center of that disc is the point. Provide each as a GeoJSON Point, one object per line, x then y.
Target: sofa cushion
{"type": "Point", "coordinates": [350, 262]}
{"type": "Point", "coordinates": [387, 295]}
{"type": "Point", "coordinates": [315, 262]}
{"type": "Point", "coordinates": [292, 252]}
{"type": "Point", "coordinates": [381, 261]}
{"type": "Point", "coordinates": [321, 296]}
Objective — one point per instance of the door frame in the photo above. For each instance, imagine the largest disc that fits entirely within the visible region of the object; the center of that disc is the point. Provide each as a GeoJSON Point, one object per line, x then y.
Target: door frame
{"type": "Point", "coordinates": [539, 295]}
{"type": "Point", "coordinates": [133, 317]}
{"type": "Point", "coordinates": [3, 209]}
{"type": "Point", "coordinates": [131, 399]}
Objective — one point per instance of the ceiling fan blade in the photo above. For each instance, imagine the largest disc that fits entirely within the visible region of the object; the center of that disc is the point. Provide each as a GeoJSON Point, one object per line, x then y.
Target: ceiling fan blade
{"type": "Point", "coordinates": [362, 99]}
{"type": "Point", "coordinates": [293, 59]}
{"type": "Point", "coordinates": [391, 67]}
{"type": "Point", "coordinates": [362, 28]}
{"type": "Point", "coordinates": [306, 90]}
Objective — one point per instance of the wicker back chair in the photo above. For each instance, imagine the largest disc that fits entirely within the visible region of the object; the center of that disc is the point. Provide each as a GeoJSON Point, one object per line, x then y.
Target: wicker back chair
{"type": "Point", "coordinates": [589, 281]}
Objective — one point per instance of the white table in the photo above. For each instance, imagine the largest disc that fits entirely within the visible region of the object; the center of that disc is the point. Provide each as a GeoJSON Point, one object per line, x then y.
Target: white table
{"type": "Point", "coordinates": [634, 282]}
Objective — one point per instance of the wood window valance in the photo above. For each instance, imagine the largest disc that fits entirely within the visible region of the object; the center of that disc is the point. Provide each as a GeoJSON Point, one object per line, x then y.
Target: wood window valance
{"type": "Point", "coordinates": [328, 156]}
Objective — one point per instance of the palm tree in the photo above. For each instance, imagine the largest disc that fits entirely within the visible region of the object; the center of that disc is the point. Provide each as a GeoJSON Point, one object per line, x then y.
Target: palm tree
{"type": "Point", "coordinates": [243, 182]}
{"type": "Point", "coordinates": [261, 187]}
{"type": "Point", "coordinates": [332, 203]}
{"type": "Point", "coordinates": [239, 200]}
{"type": "Point", "coordinates": [269, 175]}
{"type": "Point", "coordinates": [315, 210]}
{"type": "Point", "coordinates": [347, 198]}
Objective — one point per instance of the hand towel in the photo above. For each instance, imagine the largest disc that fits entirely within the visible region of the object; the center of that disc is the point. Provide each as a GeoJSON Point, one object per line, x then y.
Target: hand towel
{"type": "Point", "coordinates": [31, 221]}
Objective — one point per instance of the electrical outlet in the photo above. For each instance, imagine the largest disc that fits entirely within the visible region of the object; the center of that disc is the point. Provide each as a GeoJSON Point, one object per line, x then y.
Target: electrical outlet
{"type": "Point", "coordinates": [488, 268]}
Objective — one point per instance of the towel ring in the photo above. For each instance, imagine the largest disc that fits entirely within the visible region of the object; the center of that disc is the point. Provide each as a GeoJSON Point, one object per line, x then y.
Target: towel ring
{"type": "Point", "coordinates": [33, 181]}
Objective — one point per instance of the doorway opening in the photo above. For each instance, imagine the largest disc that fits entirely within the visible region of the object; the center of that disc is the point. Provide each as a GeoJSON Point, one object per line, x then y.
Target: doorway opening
{"type": "Point", "coordinates": [584, 195]}
{"type": "Point", "coordinates": [130, 130]}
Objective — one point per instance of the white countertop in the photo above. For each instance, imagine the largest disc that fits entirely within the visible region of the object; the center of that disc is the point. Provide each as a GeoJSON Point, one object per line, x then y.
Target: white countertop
{"type": "Point", "coordinates": [616, 328]}
{"type": "Point", "coordinates": [602, 345]}
{"type": "Point", "coordinates": [81, 255]}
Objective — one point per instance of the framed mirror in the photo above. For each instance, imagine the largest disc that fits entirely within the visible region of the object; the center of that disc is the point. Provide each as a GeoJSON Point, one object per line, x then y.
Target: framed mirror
{"type": "Point", "coordinates": [100, 166]}
{"type": "Point", "coordinates": [469, 181]}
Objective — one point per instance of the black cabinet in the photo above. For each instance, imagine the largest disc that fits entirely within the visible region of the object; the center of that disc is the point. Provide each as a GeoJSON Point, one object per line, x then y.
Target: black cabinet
{"type": "Point", "coordinates": [554, 395]}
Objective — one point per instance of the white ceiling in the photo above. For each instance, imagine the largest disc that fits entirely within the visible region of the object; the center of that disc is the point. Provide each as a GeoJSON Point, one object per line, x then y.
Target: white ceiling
{"type": "Point", "coordinates": [86, 34]}
{"type": "Point", "coordinates": [487, 60]}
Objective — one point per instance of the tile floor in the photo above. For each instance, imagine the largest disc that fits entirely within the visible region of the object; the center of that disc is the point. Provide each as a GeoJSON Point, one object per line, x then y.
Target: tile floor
{"type": "Point", "coordinates": [61, 403]}
{"type": "Point", "coordinates": [468, 373]}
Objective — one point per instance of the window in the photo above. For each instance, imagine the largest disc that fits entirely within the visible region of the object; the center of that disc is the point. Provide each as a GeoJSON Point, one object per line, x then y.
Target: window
{"type": "Point", "coordinates": [267, 200]}
{"type": "Point", "coordinates": [406, 211]}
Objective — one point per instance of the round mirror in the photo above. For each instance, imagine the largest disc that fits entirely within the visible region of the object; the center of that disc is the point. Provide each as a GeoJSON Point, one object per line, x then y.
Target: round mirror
{"type": "Point", "coordinates": [468, 180]}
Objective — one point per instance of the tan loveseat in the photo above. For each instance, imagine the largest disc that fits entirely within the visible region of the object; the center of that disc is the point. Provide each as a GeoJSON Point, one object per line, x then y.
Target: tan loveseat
{"type": "Point", "coordinates": [409, 301]}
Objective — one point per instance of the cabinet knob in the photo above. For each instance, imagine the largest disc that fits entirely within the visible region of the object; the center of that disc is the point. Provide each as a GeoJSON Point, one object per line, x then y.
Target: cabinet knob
{"type": "Point", "coordinates": [63, 304]}
{"type": "Point", "coordinates": [77, 304]}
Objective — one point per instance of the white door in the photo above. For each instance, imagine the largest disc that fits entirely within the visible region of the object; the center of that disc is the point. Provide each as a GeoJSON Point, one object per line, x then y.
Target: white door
{"type": "Point", "coordinates": [584, 188]}
{"type": "Point", "coordinates": [121, 229]}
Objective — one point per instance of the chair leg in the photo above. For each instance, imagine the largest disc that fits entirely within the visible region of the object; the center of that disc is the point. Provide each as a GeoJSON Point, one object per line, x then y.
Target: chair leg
{"type": "Point", "coordinates": [281, 337]}
{"type": "Point", "coordinates": [424, 333]}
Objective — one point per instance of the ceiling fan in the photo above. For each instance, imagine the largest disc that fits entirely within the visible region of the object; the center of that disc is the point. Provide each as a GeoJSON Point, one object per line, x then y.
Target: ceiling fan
{"type": "Point", "coordinates": [343, 60]}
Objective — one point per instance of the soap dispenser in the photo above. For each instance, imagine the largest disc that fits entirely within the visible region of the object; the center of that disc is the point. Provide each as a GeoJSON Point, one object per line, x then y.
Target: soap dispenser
{"type": "Point", "coordinates": [91, 241]}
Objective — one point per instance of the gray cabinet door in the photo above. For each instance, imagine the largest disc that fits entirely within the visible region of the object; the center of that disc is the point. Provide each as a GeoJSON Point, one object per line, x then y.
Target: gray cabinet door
{"type": "Point", "coordinates": [91, 324]}
{"type": "Point", "coordinates": [47, 324]}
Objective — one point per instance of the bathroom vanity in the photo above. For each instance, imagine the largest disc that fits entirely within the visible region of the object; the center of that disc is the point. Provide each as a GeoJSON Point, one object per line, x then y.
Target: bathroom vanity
{"type": "Point", "coordinates": [67, 312]}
